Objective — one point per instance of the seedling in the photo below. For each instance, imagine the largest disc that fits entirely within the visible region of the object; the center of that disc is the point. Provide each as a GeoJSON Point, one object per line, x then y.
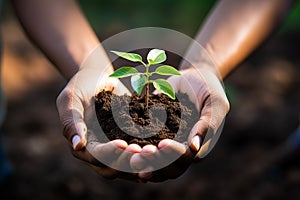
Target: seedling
{"type": "Point", "coordinates": [140, 80]}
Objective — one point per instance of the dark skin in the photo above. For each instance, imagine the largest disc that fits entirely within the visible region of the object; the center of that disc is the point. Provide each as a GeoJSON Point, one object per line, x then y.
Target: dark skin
{"type": "Point", "coordinates": [50, 26]}
{"type": "Point", "coordinates": [231, 32]}
{"type": "Point", "coordinates": [235, 28]}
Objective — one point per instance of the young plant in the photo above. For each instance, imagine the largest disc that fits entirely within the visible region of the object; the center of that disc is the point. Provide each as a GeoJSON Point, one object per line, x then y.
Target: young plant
{"type": "Point", "coordinates": [140, 80]}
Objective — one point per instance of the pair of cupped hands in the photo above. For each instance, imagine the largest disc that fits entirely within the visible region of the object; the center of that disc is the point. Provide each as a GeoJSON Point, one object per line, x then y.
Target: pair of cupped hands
{"type": "Point", "coordinates": [117, 159]}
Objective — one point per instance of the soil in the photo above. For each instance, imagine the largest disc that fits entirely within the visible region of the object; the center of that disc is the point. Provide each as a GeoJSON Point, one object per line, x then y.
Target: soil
{"type": "Point", "coordinates": [126, 117]}
{"type": "Point", "coordinates": [264, 95]}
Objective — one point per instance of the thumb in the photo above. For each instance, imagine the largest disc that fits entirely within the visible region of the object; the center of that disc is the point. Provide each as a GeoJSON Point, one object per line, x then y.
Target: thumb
{"type": "Point", "coordinates": [200, 130]}
{"type": "Point", "coordinates": [206, 131]}
{"type": "Point", "coordinates": [70, 111]}
{"type": "Point", "coordinates": [198, 134]}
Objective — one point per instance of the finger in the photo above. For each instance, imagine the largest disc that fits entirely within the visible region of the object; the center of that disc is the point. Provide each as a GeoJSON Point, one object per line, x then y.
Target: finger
{"type": "Point", "coordinates": [70, 111]}
{"type": "Point", "coordinates": [167, 152]}
{"type": "Point", "coordinates": [207, 130]}
{"type": "Point", "coordinates": [168, 146]}
{"type": "Point", "coordinates": [78, 135]}
{"type": "Point", "coordinates": [200, 129]}
{"type": "Point", "coordinates": [121, 144]}
{"type": "Point", "coordinates": [123, 161]}
{"type": "Point", "coordinates": [148, 152]}
{"type": "Point", "coordinates": [95, 155]}
{"type": "Point", "coordinates": [197, 134]}
{"type": "Point", "coordinates": [168, 161]}
{"type": "Point", "coordinates": [103, 169]}
{"type": "Point", "coordinates": [140, 160]}
{"type": "Point", "coordinates": [173, 150]}
{"type": "Point", "coordinates": [134, 148]}
{"type": "Point", "coordinates": [149, 149]}
{"type": "Point", "coordinates": [137, 162]}
{"type": "Point", "coordinates": [97, 150]}
{"type": "Point", "coordinates": [181, 155]}
{"type": "Point", "coordinates": [109, 152]}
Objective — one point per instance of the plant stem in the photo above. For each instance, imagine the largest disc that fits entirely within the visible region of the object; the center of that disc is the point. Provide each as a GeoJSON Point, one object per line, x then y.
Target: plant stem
{"type": "Point", "coordinates": [143, 63]}
{"type": "Point", "coordinates": [147, 85]}
{"type": "Point", "coordinates": [147, 94]}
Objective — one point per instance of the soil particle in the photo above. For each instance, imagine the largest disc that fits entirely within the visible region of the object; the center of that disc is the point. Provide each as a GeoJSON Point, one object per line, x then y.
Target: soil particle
{"type": "Point", "coordinates": [126, 117]}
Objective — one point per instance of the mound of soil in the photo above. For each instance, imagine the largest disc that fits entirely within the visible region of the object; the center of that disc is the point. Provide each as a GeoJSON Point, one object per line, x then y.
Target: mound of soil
{"type": "Point", "coordinates": [127, 118]}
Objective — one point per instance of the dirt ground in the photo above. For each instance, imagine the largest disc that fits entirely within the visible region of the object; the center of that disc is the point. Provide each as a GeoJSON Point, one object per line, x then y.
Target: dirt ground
{"type": "Point", "coordinates": [264, 95]}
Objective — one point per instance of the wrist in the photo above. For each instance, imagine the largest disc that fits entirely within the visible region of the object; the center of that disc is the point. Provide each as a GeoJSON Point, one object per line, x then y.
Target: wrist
{"type": "Point", "coordinates": [202, 67]}
{"type": "Point", "coordinates": [201, 58]}
{"type": "Point", "coordinates": [97, 60]}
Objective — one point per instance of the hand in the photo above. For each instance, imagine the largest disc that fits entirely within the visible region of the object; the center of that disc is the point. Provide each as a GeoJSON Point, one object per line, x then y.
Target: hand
{"type": "Point", "coordinates": [80, 126]}
{"type": "Point", "coordinates": [206, 92]}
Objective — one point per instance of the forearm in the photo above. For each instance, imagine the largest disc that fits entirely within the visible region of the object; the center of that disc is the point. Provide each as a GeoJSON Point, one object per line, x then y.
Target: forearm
{"type": "Point", "coordinates": [235, 28]}
{"type": "Point", "coordinates": [60, 30]}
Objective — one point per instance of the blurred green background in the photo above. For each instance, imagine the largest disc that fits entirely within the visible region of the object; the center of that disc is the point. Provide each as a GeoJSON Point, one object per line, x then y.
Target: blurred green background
{"type": "Point", "coordinates": [264, 96]}
{"type": "Point", "coordinates": [113, 16]}
{"type": "Point", "coordinates": [117, 15]}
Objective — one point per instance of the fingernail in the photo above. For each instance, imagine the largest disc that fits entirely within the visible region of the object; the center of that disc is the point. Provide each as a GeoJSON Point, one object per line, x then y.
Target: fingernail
{"type": "Point", "coordinates": [196, 142]}
{"type": "Point", "coordinates": [75, 141]}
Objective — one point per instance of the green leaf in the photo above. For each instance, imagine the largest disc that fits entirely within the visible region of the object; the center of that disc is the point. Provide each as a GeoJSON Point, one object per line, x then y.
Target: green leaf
{"type": "Point", "coordinates": [167, 70]}
{"type": "Point", "coordinates": [164, 87]}
{"type": "Point", "coordinates": [129, 56]}
{"type": "Point", "coordinates": [124, 72]}
{"type": "Point", "coordinates": [138, 82]}
{"type": "Point", "coordinates": [156, 56]}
